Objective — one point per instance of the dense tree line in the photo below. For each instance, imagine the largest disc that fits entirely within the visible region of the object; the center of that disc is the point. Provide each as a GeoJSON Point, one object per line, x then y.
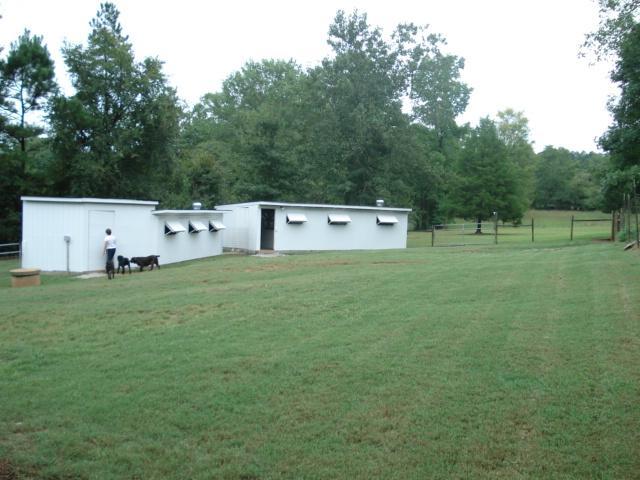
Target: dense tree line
{"type": "Point", "coordinates": [619, 38]}
{"type": "Point", "coordinates": [569, 180]}
{"type": "Point", "coordinates": [375, 119]}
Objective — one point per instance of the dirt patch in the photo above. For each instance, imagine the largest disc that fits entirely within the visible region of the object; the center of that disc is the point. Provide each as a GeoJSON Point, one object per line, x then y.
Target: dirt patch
{"type": "Point", "coordinates": [331, 263]}
{"type": "Point", "coordinates": [90, 275]}
{"type": "Point", "coordinates": [273, 267]}
{"type": "Point", "coordinates": [7, 470]}
{"type": "Point", "coordinates": [268, 267]}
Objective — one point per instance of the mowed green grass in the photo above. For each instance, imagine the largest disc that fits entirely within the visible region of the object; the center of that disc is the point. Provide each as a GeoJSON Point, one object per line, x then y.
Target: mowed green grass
{"type": "Point", "coordinates": [489, 362]}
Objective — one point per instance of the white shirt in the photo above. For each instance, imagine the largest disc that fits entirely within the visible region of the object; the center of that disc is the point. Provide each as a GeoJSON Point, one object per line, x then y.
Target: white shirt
{"type": "Point", "coordinates": [110, 241]}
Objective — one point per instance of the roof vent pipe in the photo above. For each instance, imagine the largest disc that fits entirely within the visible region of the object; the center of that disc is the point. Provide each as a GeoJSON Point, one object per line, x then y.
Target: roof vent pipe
{"type": "Point", "coordinates": [379, 203]}
{"type": "Point", "coordinates": [196, 205]}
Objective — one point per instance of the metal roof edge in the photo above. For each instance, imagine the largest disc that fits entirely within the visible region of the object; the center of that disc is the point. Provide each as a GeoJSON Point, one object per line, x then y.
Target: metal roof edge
{"type": "Point", "coordinates": [315, 205]}
{"type": "Point", "coordinates": [89, 200]}
{"type": "Point", "coordinates": [185, 212]}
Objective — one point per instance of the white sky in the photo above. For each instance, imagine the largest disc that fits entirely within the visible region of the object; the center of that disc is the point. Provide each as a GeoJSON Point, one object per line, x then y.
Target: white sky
{"type": "Point", "coordinates": [520, 54]}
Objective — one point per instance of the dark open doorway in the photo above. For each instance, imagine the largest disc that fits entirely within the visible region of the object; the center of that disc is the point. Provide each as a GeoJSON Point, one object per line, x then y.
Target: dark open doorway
{"type": "Point", "coordinates": [267, 228]}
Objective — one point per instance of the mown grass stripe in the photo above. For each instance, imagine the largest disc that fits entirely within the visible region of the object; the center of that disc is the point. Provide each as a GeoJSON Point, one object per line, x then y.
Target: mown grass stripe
{"type": "Point", "coordinates": [498, 362]}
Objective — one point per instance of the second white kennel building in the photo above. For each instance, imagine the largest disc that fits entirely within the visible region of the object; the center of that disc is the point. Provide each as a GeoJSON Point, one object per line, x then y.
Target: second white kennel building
{"type": "Point", "coordinates": [256, 226]}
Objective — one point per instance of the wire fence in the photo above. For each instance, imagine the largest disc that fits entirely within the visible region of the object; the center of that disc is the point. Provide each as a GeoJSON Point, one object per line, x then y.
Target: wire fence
{"type": "Point", "coordinates": [594, 228]}
{"type": "Point", "coordinates": [484, 233]}
{"type": "Point", "coordinates": [550, 226]}
{"type": "Point", "coordinates": [627, 221]}
{"type": "Point", "coordinates": [516, 232]}
{"type": "Point", "coordinates": [461, 234]}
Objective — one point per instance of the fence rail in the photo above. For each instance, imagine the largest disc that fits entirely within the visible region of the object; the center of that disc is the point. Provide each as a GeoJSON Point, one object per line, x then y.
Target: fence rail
{"type": "Point", "coordinates": [582, 226]}
{"type": "Point", "coordinates": [461, 234]}
{"type": "Point", "coordinates": [15, 252]}
{"type": "Point", "coordinates": [594, 220]}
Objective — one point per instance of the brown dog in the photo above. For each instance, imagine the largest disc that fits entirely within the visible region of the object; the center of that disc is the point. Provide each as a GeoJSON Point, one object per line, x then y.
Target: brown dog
{"type": "Point", "coordinates": [148, 261]}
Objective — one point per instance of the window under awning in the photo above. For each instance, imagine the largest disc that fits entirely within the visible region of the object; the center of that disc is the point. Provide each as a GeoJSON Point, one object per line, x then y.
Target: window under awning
{"type": "Point", "coordinates": [215, 226]}
{"type": "Point", "coordinates": [195, 227]}
{"type": "Point", "coordinates": [296, 218]}
{"type": "Point", "coordinates": [386, 220]}
{"type": "Point", "coordinates": [338, 219]}
{"type": "Point", "coordinates": [171, 228]}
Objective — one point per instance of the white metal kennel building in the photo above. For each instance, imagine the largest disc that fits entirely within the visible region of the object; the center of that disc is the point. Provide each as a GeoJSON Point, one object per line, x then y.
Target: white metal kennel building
{"type": "Point", "coordinates": [67, 234]}
{"type": "Point", "coordinates": [285, 227]}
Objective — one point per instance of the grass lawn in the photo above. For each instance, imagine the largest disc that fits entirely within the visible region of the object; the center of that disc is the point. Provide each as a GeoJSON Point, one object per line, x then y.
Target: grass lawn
{"type": "Point", "coordinates": [479, 362]}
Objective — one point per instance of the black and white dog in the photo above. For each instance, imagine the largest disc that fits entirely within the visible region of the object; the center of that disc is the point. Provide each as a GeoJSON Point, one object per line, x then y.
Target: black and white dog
{"type": "Point", "coordinates": [123, 262]}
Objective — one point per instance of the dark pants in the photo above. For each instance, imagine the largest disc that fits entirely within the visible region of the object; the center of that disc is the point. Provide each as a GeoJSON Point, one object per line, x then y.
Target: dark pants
{"type": "Point", "coordinates": [111, 252]}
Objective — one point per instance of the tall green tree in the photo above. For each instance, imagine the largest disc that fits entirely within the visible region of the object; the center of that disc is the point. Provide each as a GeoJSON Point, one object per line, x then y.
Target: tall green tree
{"type": "Point", "coordinates": [116, 135]}
{"type": "Point", "coordinates": [253, 133]}
{"type": "Point", "coordinates": [568, 180]}
{"type": "Point", "coordinates": [555, 170]}
{"type": "Point", "coordinates": [618, 36]}
{"type": "Point", "coordinates": [617, 19]}
{"type": "Point", "coordinates": [488, 178]}
{"type": "Point", "coordinates": [267, 97]}
{"type": "Point", "coordinates": [438, 96]}
{"type": "Point", "coordinates": [336, 132]}
{"type": "Point", "coordinates": [437, 93]}
{"type": "Point", "coordinates": [513, 130]}
{"type": "Point", "coordinates": [430, 175]}
{"type": "Point", "coordinates": [622, 139]}
{"type": "Point", "coordinates": [357, 99]}
{"type": "Point", "coordinates": [27, 80]}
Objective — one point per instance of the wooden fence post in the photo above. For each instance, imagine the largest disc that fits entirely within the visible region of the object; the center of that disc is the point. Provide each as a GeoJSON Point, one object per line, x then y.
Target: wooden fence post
{"type": "Point", "coordinates": [613, 225]}
{"type": "Point", "coordinates": [571, 235]}
{"type": "Point", "coordinates": [532, 229]}
{"type": "Point", "coordinates": [635, 207]}
{"type": "Point", "coordinates": [628, 217]}
{"type": "Point", "coordinates": [635, 204]}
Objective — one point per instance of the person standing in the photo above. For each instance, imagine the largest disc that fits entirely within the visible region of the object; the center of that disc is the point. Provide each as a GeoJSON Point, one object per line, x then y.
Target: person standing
{"type": "Point", "coordinates": [109, 245]}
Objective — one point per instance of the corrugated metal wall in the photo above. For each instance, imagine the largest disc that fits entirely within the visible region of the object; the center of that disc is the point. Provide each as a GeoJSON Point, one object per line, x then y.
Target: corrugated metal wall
{"type": "Point", "coordinates": [362, 233]}
{"type": "Point", "coordinates": [44, 226]}
{"type": "Point", "coordinates": [243, 223]}
{"type": "Point", "coordinates": [187, 246]}
{"type": "Point", "coordinates": [137, 230]}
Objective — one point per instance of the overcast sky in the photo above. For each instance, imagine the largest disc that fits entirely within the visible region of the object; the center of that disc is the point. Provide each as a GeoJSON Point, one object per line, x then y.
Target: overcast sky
{"type": "Point", "coordinates": [520, 54]}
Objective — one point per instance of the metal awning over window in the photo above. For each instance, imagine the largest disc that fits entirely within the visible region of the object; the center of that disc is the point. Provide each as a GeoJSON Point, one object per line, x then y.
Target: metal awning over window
{"type": "Point", "coordinates": [296, 218]}
{"type": "Point", "coordinates": [338, 219]}
{"type": "Point", "coordinates": [386, 220]}
{"type": "Point", "coordinates": [171, 228]}
{"type": "Point", "coordinates": [215, 226]}
{"type": "Point", "coordinates": [195, 227]}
